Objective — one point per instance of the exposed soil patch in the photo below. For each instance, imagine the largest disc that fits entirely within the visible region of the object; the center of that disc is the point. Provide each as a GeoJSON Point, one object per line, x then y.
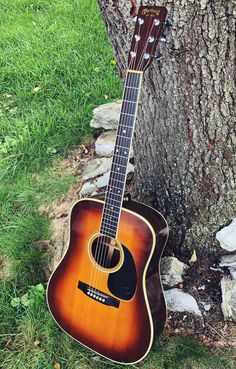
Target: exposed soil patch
{"type": "Point", "coordinates": [202, 281]}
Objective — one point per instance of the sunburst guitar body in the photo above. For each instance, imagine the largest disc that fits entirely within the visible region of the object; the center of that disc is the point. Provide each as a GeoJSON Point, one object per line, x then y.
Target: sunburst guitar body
{"type": "Point", "coordinates": [106, 292]}
{"type": "Point", "coordinates": [125, 307]}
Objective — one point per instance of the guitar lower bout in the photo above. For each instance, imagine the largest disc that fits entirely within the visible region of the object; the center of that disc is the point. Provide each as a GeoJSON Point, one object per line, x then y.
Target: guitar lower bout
{"type": "Point", "coordinates": [113, 308]}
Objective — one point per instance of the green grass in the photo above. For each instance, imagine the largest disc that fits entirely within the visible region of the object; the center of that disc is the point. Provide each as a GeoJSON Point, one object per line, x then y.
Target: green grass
{"type": "Point", "coordinates": [55, 67]}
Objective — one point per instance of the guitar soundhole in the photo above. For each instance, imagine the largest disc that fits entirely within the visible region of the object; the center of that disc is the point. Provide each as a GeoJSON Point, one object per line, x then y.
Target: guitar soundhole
{"type": "Point", "coordinates": [106, 251]}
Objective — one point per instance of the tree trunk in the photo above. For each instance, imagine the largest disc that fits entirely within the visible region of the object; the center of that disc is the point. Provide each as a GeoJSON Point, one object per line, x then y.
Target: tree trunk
{"type": "Point", "coordinates": [185, 133]}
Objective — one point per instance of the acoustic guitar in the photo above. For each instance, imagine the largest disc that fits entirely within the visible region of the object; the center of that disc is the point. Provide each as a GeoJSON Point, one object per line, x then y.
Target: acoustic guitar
{"type": "Point", "coordinates": [106, 292]}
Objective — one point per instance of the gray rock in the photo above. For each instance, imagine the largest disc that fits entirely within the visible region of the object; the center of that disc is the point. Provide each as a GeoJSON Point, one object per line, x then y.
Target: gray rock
{"type": "Point", "coordinates": [172, 271]}
{"type": "Point", "coordinates": [106, 116]}
{"type": "Point", "coordinates": [104, 145]}
{"type": "Point", "coordinates": [103, 180]}
{"type": "Point", "coordinates": [96, 167]}
{"type": "Point", "coordinates": [227, 236]}
{"type": "Point", "coordinates": [228, 305]}
{"type": "Point", "coordinates": [207, 307]}
{"type": "Point", "coordinates": [229, 261]}
{"type": "Point", "coordinates": [233, 272]}
{"type": "Point", "coordinates": [180, 301]}
{"type": "Point", "coordinates": [87, 189]}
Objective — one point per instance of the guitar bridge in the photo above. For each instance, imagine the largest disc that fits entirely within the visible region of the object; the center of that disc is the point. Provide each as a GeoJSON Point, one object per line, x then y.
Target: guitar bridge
{"type": "Point", "coordinates": [98, 296]}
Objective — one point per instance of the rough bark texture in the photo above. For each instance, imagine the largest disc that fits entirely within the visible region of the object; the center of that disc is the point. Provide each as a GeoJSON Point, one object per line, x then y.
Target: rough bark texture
{"type": "Point", "coordinates": [185, 133]}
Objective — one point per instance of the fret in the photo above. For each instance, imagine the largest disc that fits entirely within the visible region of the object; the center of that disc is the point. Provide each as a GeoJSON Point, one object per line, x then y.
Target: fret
{"type": "Point", "coordinates": [120, 156]}
{"type": "Point", "coordinates": [122, 147]}
{"type": "Point", "coordinates": [132, 115]}
{"type": "Point", "coordinates": [120, 165]}
{"type": "Point", "coordinates": [132, 102]}
{"type": "Point", "coordinates": [122, 125]}
{"type": "Point", "coordinates": [124, 138]}
{"type": "Point", "coordinates": [133, 88]}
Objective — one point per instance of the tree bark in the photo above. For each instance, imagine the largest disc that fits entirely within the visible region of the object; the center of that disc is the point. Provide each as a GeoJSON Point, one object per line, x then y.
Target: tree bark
{"type": "Point", "coordinates": [185, 134]}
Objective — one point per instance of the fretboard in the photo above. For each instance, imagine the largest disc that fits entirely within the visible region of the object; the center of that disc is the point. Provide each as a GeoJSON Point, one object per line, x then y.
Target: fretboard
{"type": "Point", "coordinates": [116, 185]}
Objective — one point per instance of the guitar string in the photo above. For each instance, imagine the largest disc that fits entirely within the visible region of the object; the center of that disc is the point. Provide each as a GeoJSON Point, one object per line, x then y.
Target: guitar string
{"type": "Point", "coordinates": [100, 250]}
{"type": "Point", "coordinates": [107, 195]}
{"type": "Point", "coordinates": [139, 65]}
{"type": "Point", "coordinates": [119, 163]}
{"type": "Point", "coordinates": [103, 254]}
{"type": "Point", "coordinates": [105, 227]}
{"type": "Point", "coordinates": [116, 161]}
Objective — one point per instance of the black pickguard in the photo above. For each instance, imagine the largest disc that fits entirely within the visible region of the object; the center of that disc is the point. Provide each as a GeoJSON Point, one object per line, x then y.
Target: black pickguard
{"type": "Point", "coordinates": [122, 283]}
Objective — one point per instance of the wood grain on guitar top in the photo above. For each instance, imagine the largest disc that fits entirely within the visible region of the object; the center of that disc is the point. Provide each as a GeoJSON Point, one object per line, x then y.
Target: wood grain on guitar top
{"type": "Point", "coordinates": [123, 334]}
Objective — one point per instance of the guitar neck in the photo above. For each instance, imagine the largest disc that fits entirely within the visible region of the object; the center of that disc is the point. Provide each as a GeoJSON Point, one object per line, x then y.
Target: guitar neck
{"type": "Point", "coordinates": [116, 185]}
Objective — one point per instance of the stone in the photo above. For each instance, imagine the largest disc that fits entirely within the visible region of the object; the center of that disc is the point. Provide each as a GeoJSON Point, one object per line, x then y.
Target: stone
{"type": "Point", "coordinates": [96, 167]}
{"type": "Point", "coordinates": [229, 261]}
{"type": "Point", "coordinates": [172, 271]}
{"type": "Point", "coordinates": [227, 236]}
{"type": "Point", "coordinates": [103, 180]}
{"type": "Point", "coordinates": [228, 305]}
{"type": "Point", "coordinates": [106, 116]}
{"type": "Point", "coordinates": [207, 307]}
{"type": "Point", "coordinates": [87, 189]}
{"type": "Point", "coordinates": [180, 301]}
{"type": "Point", "coordinates": [104, 145]}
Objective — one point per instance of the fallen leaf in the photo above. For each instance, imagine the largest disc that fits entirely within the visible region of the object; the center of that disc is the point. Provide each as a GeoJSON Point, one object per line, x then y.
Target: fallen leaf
{"type": "Point", "coordinates": [193, 258]}
{"type": "Point", "coordinates": [36, 342]}
{"type": "Point", "coordinates": [57, 366]}
{"type": "Point", "coordinates": [36, 89]}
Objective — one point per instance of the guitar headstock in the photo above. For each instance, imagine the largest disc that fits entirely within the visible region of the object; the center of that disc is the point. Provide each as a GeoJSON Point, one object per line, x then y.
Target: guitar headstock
{"type": "Point", "coordinates": [148, 30]}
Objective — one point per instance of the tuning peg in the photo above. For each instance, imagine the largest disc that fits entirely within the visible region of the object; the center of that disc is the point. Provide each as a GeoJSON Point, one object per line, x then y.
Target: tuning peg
{"type": "Point", "coordinates": [168, 23]}
{"type": "Point", "coordinates": [158, 56]}
{"type": "Point", "coordinates": [163, 37]}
